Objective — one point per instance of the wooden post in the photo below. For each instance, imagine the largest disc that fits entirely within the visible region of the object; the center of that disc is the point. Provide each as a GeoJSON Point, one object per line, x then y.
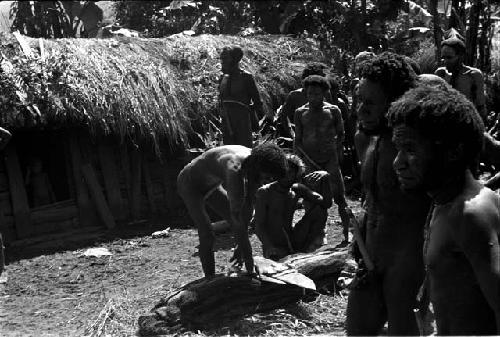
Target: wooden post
{"type": "Point", "coordinates": [149, 187]}
{"type": "Point", "coordinates": [20, 207]}
{"type": "Point", "coordinates": [85, 209]}
{"type": "Point", "coordinates": [136, 164]}
{"type": "Point", "coordinates": [97, 195]}
{"type": "Point", "coordinates": [111, 182]}
{"type": "Point", "coordinates": [126, 171]}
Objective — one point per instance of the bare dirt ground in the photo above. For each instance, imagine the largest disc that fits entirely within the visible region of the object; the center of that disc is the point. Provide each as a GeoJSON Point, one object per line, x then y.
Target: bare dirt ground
{"type": "Point", "coordinates": [64, 293]}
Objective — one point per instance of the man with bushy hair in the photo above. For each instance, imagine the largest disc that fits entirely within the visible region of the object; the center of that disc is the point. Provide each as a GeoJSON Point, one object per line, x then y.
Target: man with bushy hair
{"type": "Point", "coordinates": [438, 136]}
{"type": "Point", "coordinates": [392, 269]}
{"type": "Point", "coordinates": [226, 179]}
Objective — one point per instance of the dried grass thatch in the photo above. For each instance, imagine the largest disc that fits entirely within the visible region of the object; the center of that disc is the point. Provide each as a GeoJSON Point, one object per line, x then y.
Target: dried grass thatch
{"type": "Point", "coordinates": [153, 90]}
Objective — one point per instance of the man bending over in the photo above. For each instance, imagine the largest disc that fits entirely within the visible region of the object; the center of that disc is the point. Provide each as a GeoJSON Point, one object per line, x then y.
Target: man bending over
{"type": "Point", "coordinates": [226, 179]}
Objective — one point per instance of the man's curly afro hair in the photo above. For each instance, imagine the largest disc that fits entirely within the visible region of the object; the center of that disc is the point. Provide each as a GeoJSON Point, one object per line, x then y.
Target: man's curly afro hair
{"type": "Point", "coordinates": [443, 115]}
{"type": "Point", "coordinates": [316, 81]}
{"type": "Point", "coordinates": [392, 71]}
{"type": "Point", "coordinates": [266, 157]}
{"type": "Point", "coordinates": [314, 68]}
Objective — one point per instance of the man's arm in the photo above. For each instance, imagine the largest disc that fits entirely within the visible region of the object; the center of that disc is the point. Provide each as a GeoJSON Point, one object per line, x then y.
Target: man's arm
{"type": "Point", "coordinates": [5, 137]}
{"type": "Point", "coordinates": [339, 129]}
{"type": "Point", "coordinates": [255, 96]}
{"type": "Point", "coordinates": [494, 182]}
{"type": "Point", "coordinates": [297, 141]}
{"type": "Point", "coordinates": [491, 149]}
{"type": "Point", "coordinates": [479, 240]}
{"type": "Point", "coordinates": [260, 216]}
{"type": "Point", "coordinates": [241, 211]}
{"type": "Point", "coordinates": [479, 99]}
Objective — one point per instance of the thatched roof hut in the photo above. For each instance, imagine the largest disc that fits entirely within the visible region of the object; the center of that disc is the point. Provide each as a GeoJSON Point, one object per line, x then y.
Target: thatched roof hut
{"type": "Point", "coordinates": [98, 122]}
{"type": "Point", "coordinates": [137, 88]}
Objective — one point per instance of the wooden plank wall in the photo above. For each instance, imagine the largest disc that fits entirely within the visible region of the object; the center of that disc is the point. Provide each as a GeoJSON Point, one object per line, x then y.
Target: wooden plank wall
{"type": "Point", "coordinates": [126, 183]}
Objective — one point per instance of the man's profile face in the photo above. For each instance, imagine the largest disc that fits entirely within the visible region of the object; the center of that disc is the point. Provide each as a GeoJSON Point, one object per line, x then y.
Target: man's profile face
{"type": "Point", "coordinates": [373, 104]}
{"type": "Point", "coordinates": [315, 95]}
{"type": "Point", "coordinates": [414, 158]}
{"type": "Point", "coordinates": [450, 58]}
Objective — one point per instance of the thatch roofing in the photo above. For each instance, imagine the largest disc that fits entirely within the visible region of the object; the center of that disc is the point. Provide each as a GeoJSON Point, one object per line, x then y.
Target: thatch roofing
{"type": "Point", "coordinates": [139, 89]}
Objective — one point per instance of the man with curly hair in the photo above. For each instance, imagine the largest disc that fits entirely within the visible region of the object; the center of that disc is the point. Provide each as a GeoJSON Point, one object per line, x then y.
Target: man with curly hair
{"type": "Point", "coordinates": [468, 80]}
{"type": "Point", "coordinates": [438, 136]}
{"type": "Point", "coordinates": [295, 99]}
{"type": "Point", "coordinates": [392, 229]}
{"type": "Point", "coordinates": [275, 206]}
{"type": "Point", "coordinates": [226, 178]}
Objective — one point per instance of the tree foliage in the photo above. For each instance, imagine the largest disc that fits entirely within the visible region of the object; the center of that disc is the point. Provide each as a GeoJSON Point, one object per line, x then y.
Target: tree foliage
{"type": "Point", "coordinates": [55, 19]}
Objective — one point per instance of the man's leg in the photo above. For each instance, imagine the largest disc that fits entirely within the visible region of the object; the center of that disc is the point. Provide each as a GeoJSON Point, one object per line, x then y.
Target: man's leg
{"type": "Point", "coordinates": [195, 205]}
{"type": "Point", "coordinates": [366, 311]}
{"type": "Point", "coordinates": [401, 286]}
{"type": "Point", "coordinates": [338, 190]}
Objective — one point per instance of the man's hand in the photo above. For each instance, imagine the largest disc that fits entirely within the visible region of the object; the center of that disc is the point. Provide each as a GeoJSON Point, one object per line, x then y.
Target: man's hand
{"type": "Point", "coordinates": [316, 176]}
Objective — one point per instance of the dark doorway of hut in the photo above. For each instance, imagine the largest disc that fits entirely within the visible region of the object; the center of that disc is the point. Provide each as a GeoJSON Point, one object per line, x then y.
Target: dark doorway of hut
{"type": "Point", "coordinates": [41, 193]}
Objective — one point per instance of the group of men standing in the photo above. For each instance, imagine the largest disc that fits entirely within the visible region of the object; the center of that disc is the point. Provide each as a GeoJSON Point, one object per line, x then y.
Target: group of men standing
{"type": "Point", "coordinates": [430, 227]}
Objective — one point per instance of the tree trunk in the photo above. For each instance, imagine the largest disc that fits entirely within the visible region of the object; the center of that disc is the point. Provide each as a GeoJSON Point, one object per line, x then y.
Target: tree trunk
{"type": "Point", "coordinates": [485, 39]}
{"type": "Point", "coordinates": [471, 38]}
{"type": "Point", "coordinates": [438, 33]}
{"type": "Point", "coordinates": [209, 303]}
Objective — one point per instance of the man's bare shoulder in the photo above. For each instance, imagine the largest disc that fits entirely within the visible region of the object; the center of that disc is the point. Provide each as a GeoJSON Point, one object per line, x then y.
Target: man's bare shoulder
{"type": "Point", "coordinates": [222, 155]}
{"type": "Point", "coordinates": [302, 109]}
{"type": "Point", "coordinates": [441, 71]}
{"type": "Point", "coordinates": [473, 71]}
{"type": "Point", "coordinates": [332, 108]}
{"type": "Point", "coordinates": [480, 210]}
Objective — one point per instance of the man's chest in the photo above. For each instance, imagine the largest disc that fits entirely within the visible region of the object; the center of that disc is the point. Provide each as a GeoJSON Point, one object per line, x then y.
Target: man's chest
{"type": "Point", "coordinates": [318, 121]}
{"type": "Point", "coordinates": [442, 249]}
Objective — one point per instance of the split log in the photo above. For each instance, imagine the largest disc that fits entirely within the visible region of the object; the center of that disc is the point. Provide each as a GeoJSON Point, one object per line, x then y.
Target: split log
{"type": "Point", "coordinates": [209, 303]}
{"type": "Point", "coordinates": [322, 266]}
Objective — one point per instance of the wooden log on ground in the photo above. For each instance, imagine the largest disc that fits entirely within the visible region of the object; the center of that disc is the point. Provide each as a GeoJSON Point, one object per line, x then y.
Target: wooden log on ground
{"type": "Point", "coordinates": [322, 266]}
{"type": "Point", "coordinates": [208, 303]}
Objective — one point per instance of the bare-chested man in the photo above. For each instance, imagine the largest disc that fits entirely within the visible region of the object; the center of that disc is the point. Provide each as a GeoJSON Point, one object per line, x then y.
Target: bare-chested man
{"type": "Point", "coordinates": [275, 206]}
{"type": "Point", "coordinates": [394, 220]}
{"type": "Point", "coordinates": [319, 136]}
{"type": "Point", "coordinates": [468, 80]}
{"type": "Point", "coordinates": [439, 135]}
{"type": "Point", "coordinates": [226, 178]}
{"type": "Point", "coordinates": [295, 99]}
{"type": "Point", "coordinates": [239, 98]}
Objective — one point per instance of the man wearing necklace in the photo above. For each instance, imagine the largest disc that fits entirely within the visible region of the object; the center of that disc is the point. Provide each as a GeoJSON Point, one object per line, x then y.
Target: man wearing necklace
{"type": "Point", "coordinates": [438, 135]}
